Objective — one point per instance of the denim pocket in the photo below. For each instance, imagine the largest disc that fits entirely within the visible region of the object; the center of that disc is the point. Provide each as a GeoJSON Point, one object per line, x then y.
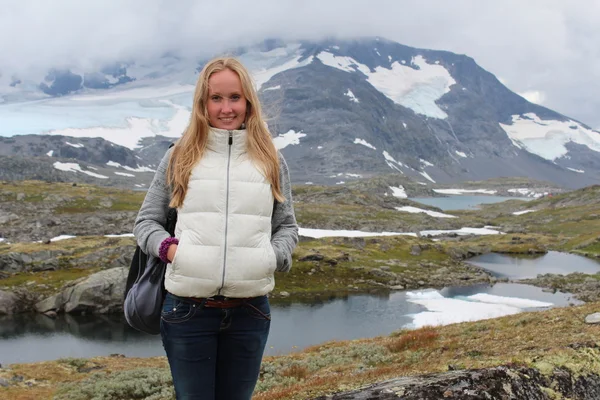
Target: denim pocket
{"type": "Point", "coordinates": [175, 310]}
{"type": "Point", "coordinates": [259, 308]}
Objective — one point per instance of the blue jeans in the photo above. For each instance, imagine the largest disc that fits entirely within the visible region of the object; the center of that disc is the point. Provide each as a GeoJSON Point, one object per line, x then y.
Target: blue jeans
{"type": "Point", "coordinates": [214, 353]}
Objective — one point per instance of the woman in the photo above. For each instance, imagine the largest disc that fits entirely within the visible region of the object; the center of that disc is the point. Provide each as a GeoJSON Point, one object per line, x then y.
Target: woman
{"type": "Point", "coordinates": [236, 227]}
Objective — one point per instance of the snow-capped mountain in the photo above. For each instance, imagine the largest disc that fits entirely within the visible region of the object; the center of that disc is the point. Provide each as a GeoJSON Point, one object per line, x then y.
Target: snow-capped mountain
{"type": "Point", "coordinates": [341, 109]}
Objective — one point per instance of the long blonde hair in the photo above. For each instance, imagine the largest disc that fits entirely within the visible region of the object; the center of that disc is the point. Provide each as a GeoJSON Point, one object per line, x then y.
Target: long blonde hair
{"type": "Point", "coordinates": [191, 146]}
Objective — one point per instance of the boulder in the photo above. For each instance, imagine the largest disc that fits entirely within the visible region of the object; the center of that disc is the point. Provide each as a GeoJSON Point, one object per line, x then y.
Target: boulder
{"type": "Point", "coordinates": [593, 318]}
{"type": "Point", "coordinates": [415, 250]}
{"type": "Point", "coordinates": [8, 303]}
{"type": "Point", "coordinates": [99, 293]}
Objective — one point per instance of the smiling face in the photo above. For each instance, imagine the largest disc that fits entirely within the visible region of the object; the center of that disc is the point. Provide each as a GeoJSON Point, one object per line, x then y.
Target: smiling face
{"type": "Point", "coordinates": [226, 104]}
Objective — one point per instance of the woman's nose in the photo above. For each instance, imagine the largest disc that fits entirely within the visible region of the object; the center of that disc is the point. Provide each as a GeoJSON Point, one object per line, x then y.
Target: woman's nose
{"type": "Point", "coordinates": [226, 106]}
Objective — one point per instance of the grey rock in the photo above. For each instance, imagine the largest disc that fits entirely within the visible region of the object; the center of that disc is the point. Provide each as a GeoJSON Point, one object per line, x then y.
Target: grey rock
{"type": "Point", "coordinates": [7, 217]}
{"type": "Point", "coordinates": [52, 303]}
{"type": "Point", "coordinates": [8, 303]}
{"type": "Point", "coordinates": [383, 274]}
{"type": "Point", "coordinates": [99, 293]}
{"type": "Point", "coordinates": [593, 318]}
{"type": "Point", "coordinates": [415, 250]}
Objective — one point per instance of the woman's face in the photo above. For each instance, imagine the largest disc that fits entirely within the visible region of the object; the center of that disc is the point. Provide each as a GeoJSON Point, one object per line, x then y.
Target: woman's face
{"type": "Point", "coordinates": [226, 103]}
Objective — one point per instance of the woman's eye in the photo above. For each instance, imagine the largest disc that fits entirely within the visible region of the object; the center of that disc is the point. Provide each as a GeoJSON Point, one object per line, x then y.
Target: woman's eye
{"type": "Point", "coordinates": [215, 98]}
{"type": "Point", "coordinates": [236, 97]}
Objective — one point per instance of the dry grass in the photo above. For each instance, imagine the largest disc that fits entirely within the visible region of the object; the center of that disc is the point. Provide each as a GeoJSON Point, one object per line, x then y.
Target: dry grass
{"type": "Point", "coordinates": [414, 340]}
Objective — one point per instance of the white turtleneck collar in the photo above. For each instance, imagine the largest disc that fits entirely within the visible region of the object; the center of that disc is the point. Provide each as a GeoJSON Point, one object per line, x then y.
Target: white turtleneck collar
{"type": "Point", "coordinates": [219, 139]}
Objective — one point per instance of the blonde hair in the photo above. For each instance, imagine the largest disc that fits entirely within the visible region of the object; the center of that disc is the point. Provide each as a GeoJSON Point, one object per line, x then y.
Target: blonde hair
{"type": "Point", "coordinates": [188, 150]}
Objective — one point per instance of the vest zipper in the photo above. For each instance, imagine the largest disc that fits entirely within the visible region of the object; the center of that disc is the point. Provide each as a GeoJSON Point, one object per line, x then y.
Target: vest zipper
{"type": "Point", "coordinates": [230, 143]}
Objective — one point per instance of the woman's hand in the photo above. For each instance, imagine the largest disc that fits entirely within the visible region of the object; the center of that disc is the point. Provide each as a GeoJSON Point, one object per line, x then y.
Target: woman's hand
{"type": "Point", "coordinates": [171, 252]}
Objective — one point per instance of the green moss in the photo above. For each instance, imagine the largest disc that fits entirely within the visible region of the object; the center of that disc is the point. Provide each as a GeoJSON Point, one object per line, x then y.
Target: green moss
{"type": "Point", "coordinates": [51, 281]}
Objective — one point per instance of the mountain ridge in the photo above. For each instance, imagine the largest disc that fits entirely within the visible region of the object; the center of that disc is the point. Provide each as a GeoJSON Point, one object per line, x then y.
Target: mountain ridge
{"type": "Point", "coordinates": [432, 115]}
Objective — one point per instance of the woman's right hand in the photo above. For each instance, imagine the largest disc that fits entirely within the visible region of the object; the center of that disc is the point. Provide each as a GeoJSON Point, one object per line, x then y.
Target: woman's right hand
{"type": "Point", "coordinates": [171, 252]}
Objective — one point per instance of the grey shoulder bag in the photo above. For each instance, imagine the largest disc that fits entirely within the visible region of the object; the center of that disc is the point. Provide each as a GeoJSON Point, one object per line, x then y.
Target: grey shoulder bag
{"type": "Point", "coordinates": [145, 288]}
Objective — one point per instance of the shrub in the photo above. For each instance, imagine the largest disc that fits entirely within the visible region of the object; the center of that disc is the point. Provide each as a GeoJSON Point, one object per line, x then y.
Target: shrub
{"type": "Point", "coordinates": [413, 340]}
{"type": "Point", "coordinates": [141, 383]}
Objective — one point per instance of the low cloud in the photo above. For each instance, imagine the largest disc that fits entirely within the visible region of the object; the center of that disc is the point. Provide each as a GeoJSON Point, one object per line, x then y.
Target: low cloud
{"type": "Point", "coordinates": [544, 46]}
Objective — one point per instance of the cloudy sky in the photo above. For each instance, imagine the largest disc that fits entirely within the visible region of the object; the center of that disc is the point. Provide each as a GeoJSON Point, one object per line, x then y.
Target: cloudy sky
{"type": "Point", "coordinates": [546, 50]}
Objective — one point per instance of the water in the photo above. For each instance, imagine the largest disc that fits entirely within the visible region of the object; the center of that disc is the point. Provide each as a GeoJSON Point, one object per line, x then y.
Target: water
{"type": "Point", "coordinates": [525, 267]}
{"type": "Point", "coordinates": [29, 338]}
{"type": "Point", "coordinates": [463, 202]}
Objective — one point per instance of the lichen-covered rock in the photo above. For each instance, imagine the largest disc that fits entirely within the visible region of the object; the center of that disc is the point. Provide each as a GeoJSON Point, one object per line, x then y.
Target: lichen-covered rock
{"type": "Point", "coordinates": [497, 383]}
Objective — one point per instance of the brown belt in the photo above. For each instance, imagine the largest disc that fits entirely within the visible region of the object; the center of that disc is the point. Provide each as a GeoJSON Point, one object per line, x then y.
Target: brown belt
{"type": "Point", "coordinates": [220, 302]}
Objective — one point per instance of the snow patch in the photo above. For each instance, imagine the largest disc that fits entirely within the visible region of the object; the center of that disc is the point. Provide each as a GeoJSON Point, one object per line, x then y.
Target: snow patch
{"type": "Point", "coordinates": [443, 310]}
{"type": "Point", "coordinates": [291, 137]}
{"type": "Point", "coordinates": [463, 231]}
{"type": "Point", "coordinates": [547, 138]}
{"type": "Point", "coordinates": [352, 96]}
{"type": "Point", "coordinates": [272, 88]}
{"type": "Point", "coordinates": [426, 163]}
{"type": "Point", "coordinates": [526, 192]}
{"type": "Point", "coordinates": [399, 192]}
{"type": "Point", "coordinates": [61, 237]}
{"type": "Point", "coordinates": [139, 169]}
{"type": "Point", "coordinates": [120, 235]}
{"type": "Point", "coordinates": [73, 167]}
{"type": "Point", "coordinates": [321, 233]}
{"type": "Point", "coordinates": [463, 191]}
{"type": "Point", "coordinates": [347, 64]}
{"type": "Point", "coordinates": [276, 61]}
{"type": "Point", "coordinates": [415, 210]}
{"type": "Point", "coordinates": [49, 154]}
{"type": "Point", "coordinates": [364, 143]}
{"type": "Point", "coordinates": [523, 212]}
{"type": "Point", "coordinates": [76, 145]}
{"type": "Point", "coordinates": [426, 175]}
{"type": "Point", "coordinates": [460, 154]}
{"type": "Point", "coordinates": [579, 171]}
{"type": "Point", "coordinates": [417, 89]}
{"type": "Point", "coordinates": [124, 174]}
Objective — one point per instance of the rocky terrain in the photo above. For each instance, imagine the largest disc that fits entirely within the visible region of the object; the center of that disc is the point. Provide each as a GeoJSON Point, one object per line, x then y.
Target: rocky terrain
{"type": "Point", "coordinates": [541, 355]}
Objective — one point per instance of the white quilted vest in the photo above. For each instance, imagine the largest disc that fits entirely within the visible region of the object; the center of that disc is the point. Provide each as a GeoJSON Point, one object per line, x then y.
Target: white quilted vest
{"type": "Point", "coordinates": [224, 225]}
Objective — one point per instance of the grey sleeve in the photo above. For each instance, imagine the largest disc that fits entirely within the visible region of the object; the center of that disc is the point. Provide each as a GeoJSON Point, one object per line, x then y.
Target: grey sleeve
{"type": "Point", "coordinates": [284, 229]}
{"type": "Point", "coordinates": [149, 225]}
